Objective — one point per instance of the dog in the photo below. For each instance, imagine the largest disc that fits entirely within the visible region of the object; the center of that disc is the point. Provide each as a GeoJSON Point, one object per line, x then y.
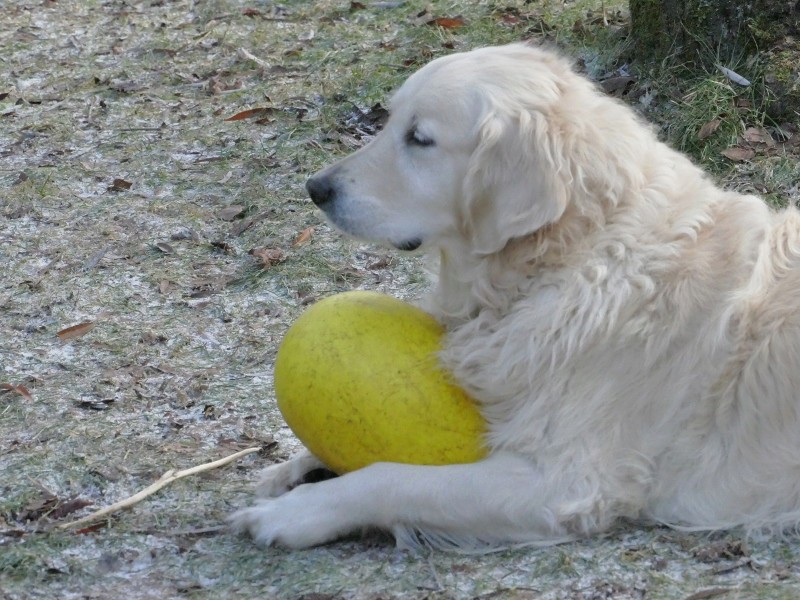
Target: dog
{"type": "Point", "coordinates": [629, 330]}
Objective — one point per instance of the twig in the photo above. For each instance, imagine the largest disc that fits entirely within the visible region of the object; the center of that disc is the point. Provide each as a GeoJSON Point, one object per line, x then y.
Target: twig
{"type": "Point", "coordinates": [249, 56]}
{"type": "Point", "coordinates": [164, 480]}
{"type": "Point", "coordinates": [709, 593]}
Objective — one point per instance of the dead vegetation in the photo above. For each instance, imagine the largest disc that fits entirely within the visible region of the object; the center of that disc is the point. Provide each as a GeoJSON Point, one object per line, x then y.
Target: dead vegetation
{"type": "Point", "coordinates": [155, 243]}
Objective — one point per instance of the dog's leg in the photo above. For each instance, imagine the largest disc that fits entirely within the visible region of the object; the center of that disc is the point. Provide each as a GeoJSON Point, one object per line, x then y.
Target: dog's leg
{"type": "Point", "coordinates": [497, 500]}
{"type": "Point", "coordinates": [278, 479]}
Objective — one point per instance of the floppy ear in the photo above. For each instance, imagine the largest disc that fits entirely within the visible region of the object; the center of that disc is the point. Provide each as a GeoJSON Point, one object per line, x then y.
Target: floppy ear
{"type": "Point", "coordinates": [515, 182]}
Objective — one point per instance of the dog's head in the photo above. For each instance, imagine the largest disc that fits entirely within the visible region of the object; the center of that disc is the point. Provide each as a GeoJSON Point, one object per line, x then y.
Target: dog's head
{"type": "Point", "coordinates": [474, 149]}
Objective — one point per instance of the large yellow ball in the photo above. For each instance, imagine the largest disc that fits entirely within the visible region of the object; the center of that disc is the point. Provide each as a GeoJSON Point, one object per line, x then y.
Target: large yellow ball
{"type": "Point", "coordinates": [357, 379]}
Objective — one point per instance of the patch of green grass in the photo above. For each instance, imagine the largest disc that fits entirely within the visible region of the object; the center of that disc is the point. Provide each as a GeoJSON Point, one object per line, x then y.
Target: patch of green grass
{"type": "Point", "coordinates": [707, 101]}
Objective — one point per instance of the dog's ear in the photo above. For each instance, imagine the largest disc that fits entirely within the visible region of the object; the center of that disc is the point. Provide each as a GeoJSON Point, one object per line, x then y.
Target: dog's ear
{"type": "Point", "coordinates": [516, 180]}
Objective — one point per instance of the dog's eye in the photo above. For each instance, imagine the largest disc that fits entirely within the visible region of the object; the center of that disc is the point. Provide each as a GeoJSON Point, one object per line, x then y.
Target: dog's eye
{"type": "Point", "coordinates": [415, 138]}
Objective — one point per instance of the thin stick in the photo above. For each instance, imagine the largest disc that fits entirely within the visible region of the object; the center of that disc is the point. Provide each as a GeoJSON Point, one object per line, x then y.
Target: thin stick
{"type": "Point", "coordinates": [164, 480]}
{"type": "Point", "coordinates": [243, 53]}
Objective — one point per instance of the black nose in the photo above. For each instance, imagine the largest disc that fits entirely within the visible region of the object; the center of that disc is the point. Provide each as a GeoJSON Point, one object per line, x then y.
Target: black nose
{"type": "Point", "coordinates": [321, 190]}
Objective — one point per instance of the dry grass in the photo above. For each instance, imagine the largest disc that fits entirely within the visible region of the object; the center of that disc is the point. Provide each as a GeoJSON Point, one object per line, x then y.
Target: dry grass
{"type": "Point", "coordinates": [175, 369]}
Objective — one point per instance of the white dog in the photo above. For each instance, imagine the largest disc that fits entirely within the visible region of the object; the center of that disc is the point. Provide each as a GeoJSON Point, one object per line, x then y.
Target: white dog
{"type": "Point", "coordinates": [631, 331]}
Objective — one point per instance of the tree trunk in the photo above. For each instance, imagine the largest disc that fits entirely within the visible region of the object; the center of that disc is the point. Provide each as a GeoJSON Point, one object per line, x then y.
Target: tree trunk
{"type": "Point", "coordinates": [693, 28]}
{"type": "Point", "coordinates": [726, 32]}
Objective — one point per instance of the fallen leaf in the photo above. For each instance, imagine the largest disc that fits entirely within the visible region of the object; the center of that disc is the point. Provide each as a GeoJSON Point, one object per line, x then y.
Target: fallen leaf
{"type": "Point", "coordinates": [307, 36]}
{"type": "Point", "coordinates": [304, 236]}
{"type": "Point", "coordinates": [68, 507]}
{"type": "Point", "coordinates": [251, 113]}
{"type": "Point", "coordinates": [447, 22]}
{"type": "Point", "coordinates": [76, 331]}
{"type": "Point", "coordinates": [92, 528]}
{"type": "Point", "coordinates": [708, 129]}
{"type": "Point", "coordinates": [37, 507]}
{"type": "Point", "coordinates": [126, 87]}
{"type": "Point", "coordinates": [353, 6]}
{"type": "Point", "coordinates": [164, 286]}
{"type": "Point", "coordinates": [19, 389]}
{"type": "Point", "coordinates": [24, 392]}
{"type": "Point", "coordinates": [510, 19]}
{"type": "Point", "coordinates": [244, 224]}
{"type": "Point", "coordinates": [721, 550]}
{"type": "Point", "coordinates": [251, 12]}
{"type": "Point", "coordinates": [119, 185]}
{"type": "Point", "coordinates": [95, 260]}
{"type": "Point", "coordinates": [95, 403]}
{"type": "Point", "coordinates": [738, 154]}
{"type": "Point", "coordinates": [733, 76]}
{"type": "Point", "coordinates": [381, 263]}
{"type": "Point", "coordinates": [268, 256]}
{"type": "Point", "coordinates": [617, 85]}
{"type": "Point", "coordinates": [222, 245]}
{"type": "Point", "coordinates": [231, 212]}
{"type": "Point", "coordinates": [758, 135]}
{"type": "Point", "coordinates": [165, 247]}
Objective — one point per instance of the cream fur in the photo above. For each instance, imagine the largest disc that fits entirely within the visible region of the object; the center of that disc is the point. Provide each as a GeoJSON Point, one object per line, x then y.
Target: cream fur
{"type": "Point", "coordinates": [630, 330]}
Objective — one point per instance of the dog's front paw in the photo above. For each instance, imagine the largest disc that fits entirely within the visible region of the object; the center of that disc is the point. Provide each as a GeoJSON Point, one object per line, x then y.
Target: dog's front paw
{"type": "Point", "coordinates": [278, 479]}
{"type": "Point", "coordinates": [299, 519]}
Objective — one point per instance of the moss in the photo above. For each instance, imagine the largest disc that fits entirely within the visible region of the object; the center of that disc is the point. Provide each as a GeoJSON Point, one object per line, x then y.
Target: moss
{"type": "Point", "coordinates": [782, 81]}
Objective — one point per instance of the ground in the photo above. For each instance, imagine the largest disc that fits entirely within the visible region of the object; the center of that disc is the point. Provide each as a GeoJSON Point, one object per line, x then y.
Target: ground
{"type": "Point", "coordinates": [156, 242]}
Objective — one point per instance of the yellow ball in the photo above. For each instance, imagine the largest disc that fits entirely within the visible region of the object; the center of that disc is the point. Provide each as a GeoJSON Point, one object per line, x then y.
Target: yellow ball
{"type": "Point", "coordinates": [358, 380]}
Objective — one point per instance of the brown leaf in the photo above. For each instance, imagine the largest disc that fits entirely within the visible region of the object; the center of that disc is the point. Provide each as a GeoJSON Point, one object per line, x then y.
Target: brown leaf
{"type": "Point", "coordinates": [617, 85]}
{"type": "Point", "coordinates": [68, 507]}
{"type": "Point", "coordinates": [119, 185]}
{"type": "Point", "coordinates": [510, 19]}
{"type": "Point", "coordinates": [244, 224]}
{"type": "Point", "coordinates": [37, 507]}
{"type": "Point", "coordinates": [223, 246]}
{"type": "Point", "coordinates": [251, 113]}
{"type": "Point", "coordinates": [448, 22]}
{"type": "Point", "coordinates": [268, 256]}
{"type": "Point", "coordinates": [381, 263]}
{"type": "Point", "coordinates": [708, 129]}
{"type": "Point", "coordinates": [92, 528]}
{"type": "Point", "coordinates": [738, 154]}
{"type": "Point", "coordinates": [19, 389]}
{"type": "Point", "coordinates": [251, 12]}
{"type": "Point", "coordinates": [231, 212]}
{"type": "Point", "coordinates": [758, 135]}
{"type": "Point", "coordinates": [76, 331]}
{"type": "Point", "coordinates": [304, 236]}
{"type": "Point", "coordinates": [24, 392]}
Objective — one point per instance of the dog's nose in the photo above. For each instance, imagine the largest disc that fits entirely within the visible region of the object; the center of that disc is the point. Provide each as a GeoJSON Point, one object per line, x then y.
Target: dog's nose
{"type": "Point", "coordinates": [321, 190]}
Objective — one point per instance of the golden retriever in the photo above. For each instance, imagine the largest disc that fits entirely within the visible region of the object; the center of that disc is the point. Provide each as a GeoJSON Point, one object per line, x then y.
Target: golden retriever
{"type": "Point", "coordinates": [630, 330]}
